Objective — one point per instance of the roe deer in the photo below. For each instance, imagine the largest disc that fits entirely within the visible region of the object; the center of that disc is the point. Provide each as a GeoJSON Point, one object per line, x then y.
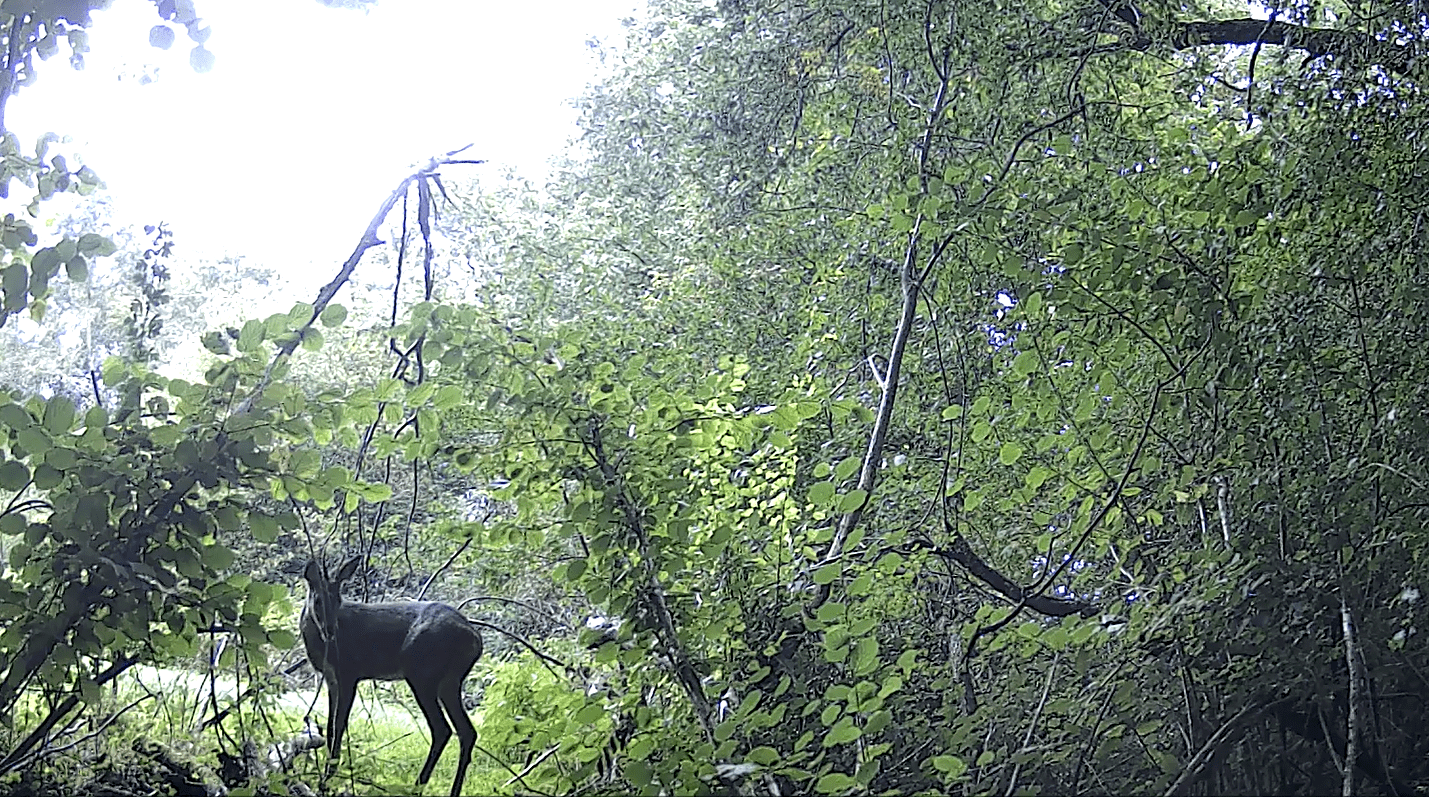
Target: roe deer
{"type": "Point", "coordinates": [430, 645]}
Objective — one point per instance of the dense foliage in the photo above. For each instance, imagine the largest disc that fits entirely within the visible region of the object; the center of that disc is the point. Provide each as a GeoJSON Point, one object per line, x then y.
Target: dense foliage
{"type": "Point", "coordinates": [899, 398]}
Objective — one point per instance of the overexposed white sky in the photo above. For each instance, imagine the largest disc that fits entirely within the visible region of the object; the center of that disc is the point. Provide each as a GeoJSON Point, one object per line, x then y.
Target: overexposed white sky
{"type": "Point", "coordinates": [311, 115]}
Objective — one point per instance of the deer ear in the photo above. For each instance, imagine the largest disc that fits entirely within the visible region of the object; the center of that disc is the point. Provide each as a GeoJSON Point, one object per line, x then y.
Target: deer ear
{"type": "Point", "coordinates": [313, 572]}
{"type": "Point", "coordinates": [348, 568]}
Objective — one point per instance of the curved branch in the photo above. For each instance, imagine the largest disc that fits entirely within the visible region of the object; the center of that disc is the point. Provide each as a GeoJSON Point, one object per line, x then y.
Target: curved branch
{"type": "Point", "coordinates": [1230, 732]}
{"type": "Point", "coordinates": [962, 553]}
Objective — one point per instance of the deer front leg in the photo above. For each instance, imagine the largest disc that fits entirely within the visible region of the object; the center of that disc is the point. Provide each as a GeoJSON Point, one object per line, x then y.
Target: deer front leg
{"type": "Point", "coordinates": [340, 697]}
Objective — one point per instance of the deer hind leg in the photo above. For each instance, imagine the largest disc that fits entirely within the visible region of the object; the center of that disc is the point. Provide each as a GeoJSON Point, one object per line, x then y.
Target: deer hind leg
{"type": "Point", "coordinates": [466, 734]}
{"type": "Point", "coordinates": [427, 699]}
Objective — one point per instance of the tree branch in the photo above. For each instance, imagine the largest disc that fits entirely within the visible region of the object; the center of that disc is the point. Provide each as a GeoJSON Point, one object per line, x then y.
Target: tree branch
{"type": "Point", "coordinates": [1348, 46]}
{"type": "Point", "coordinates": [1230, 732]}
{"type": "Point", "coordinates": [962, 553]}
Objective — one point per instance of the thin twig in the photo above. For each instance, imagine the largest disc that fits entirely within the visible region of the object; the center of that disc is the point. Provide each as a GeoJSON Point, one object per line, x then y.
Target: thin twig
{"type": "Point", "coordinates": [1032, 725]}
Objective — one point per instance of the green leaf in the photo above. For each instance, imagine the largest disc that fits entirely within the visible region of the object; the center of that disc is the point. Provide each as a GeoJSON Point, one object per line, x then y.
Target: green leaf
{"type": "Point", "coordinates": [891, 684]}
{"type": "Point", "coordinates": [96, 417]}
{"type": "Point", "coordinates": [161, 36]}
{"type": "Point", "coordinates": [834, 782]}
{"type": "Point", "coordinates": [1032, 305]}
{"type": "Point", "coordinates": [763, 756]}
{"type": "Point", "coordinates": [95, 244]}
{"type": "Point", "coordinates": [1150, 726]}
{"type": "Point", "coordinates": [48, 477]}
{"type": "Point", "coordinates": [264, 527]}
{"type": "Point", "coordinates": [34, 441]}
{"type": "Point", "coordinates": [77, 269]}
{"type": "Point", "coordinates": [215, 342]}
{"type": "Point", "coordinates": [167, 435]}
{"type": "Point", "coordinates": [227, 517]}
{"type": "Point", "coordinates": [590, 713]}
{"type": "Point", "coordinates": [1025, 363]}
{"type": "Point", "coordinates": [1055, 637]}
{"type": "Point", "coordinates": [843, 732]}
{"type": "Point", "coordinates": [830, 612]}
{"type": "Point", "coordinates": [16, 282]}
{"type": "Point", "coordinates": [59, 415]}
{"type": "Point", "coordinates": [14, 476]}
{"type": "Point", "coordinates": [1009, 452]}
{"type": "Point", "coordinates": [852, 500]}
{"type": "Point", "coordinates": [639, 773]}
{"type": "Point", "coordinates": [45, 263]}
{"type": "Point", "coordinates": [950, 765]}
{"type": "Point", "coordinates": [1072, 254]}
{"type": "Point", "coordinates": [448, 397]}
{"type": "Point", "coordinates": [333, 315]}
{"type": "Point", "coordinates": [641, 748]}
{"type": "Point", "coordinates": [1037, 476]}
{"type": "Point", "coordinates": [312, 339]}
{"type": "Point", "coordinates": [251, 336]}
{"type": "Point", "coordinates": [862, 584]}
{"type": "Point", "coordinates": [827, 574]}
{"type": "Point", "coordinates": [377, 492]}
{"type": "Point", "coordinates": [15, 416]}
{"type": "Point", "coordinates": [725, 729]}
{"type": "Point", "coordinates": [200, 59]}
{"type": "Point", "coordinates": [865, 656]}
{"type": "Point", "coordinates": [821, 493]}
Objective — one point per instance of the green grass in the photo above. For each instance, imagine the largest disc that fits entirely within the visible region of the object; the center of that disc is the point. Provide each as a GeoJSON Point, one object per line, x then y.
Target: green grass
{"type": "Point", "coordinates": [385, 745]}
